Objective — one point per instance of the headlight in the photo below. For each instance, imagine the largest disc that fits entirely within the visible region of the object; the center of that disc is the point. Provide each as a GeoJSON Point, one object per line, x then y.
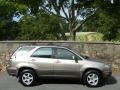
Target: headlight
{"type": "Point", "coordinates": [107, 66]}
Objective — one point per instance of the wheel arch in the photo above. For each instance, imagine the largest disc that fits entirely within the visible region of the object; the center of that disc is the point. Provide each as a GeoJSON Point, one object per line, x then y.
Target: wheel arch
{"type": "Point", "coordinates": [88, 69]}
{"type": "Point", "coordinates": [26, 68]}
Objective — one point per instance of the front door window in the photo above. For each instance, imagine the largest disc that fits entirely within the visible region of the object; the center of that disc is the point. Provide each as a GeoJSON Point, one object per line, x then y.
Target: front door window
{"type": "Point", "coordinates": [64, 54]}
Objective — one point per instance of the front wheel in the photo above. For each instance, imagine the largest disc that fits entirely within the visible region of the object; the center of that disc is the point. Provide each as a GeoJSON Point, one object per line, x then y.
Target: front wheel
{"type": "Point", "coordinates": [92, 78]}
{"type": "Point", "coordinates": [27, 77]}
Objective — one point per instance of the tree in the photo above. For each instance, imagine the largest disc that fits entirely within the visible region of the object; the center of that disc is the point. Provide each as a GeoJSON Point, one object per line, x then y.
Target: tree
{"type": "Point", "coordinates": [106, 20]}
{"type": "Point", "coordinates": [74, 12]}
{"type": "Point", "coordinates": [73, 15]}
{"type": "Point", "coordinates": [9, 30]}
{"type": "Point", "coordinates": [42, 26]}
{"type": "Point", "coordinates": [8, 10]}
{"type": "Point", "coordinates": [109, 19]}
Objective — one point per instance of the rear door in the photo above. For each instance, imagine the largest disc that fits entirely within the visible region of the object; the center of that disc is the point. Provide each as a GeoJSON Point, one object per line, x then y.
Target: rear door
{"type": "Point", "coordinates": [42, 58]}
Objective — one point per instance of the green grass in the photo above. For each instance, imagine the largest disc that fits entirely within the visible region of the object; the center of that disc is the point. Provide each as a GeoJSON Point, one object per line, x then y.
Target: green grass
{"type": "Point", "coordinates": [87, 36]}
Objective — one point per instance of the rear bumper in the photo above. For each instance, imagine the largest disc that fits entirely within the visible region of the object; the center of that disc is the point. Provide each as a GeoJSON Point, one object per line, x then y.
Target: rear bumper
{"type": "Point", "coordinates": [12, 71]}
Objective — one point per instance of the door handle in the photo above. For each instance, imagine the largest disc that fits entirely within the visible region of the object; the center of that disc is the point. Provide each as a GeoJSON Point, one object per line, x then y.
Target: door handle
{"type": "Point", "coordinates": [58, 61]}
{"type": "Point", "coordinates": [32, 60]}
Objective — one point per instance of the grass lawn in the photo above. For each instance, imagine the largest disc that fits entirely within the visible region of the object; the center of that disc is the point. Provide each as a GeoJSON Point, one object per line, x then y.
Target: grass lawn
{"type": "Point", "coordinates": [87, 36]}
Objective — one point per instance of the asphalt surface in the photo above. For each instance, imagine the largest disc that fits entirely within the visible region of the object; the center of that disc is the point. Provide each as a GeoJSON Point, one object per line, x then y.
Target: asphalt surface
{"type": "Point", "coordinates": [10, 83]}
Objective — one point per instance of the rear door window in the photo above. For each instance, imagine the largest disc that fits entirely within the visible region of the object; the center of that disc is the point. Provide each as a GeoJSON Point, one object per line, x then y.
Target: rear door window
{"type": "Point", "coordinates": [44, 52]}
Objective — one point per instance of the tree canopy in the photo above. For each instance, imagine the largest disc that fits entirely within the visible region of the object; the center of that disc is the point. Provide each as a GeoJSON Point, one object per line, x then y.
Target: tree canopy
{"type": "Point", "coordinates": [42, 26]}
{"type": "Point", "coordinates": [51, 19]}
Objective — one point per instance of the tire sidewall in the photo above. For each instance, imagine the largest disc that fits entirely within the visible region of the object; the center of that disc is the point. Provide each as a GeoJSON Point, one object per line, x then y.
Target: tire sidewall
{"type": "Point", "coordinates": [27, 71]}
{"type": "Point", "coordinates": [90, 72]}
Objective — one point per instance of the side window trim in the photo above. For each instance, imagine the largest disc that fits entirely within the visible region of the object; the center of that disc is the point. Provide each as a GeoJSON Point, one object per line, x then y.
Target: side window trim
{"type": "Point", "coordinates": [54, 52]}
{"type": "Point", "coordinates": [77, 57]}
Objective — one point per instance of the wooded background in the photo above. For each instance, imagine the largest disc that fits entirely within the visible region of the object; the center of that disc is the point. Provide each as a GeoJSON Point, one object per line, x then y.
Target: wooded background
{"type": "Point", "coordinates": [51, 19]}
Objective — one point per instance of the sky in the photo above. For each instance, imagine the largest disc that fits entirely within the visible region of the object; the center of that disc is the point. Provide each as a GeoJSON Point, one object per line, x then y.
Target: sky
{"type": "Point", "coordinates": [17, 18]}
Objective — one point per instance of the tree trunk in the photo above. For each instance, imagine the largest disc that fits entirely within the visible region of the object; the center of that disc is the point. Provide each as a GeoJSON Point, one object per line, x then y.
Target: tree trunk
{"type": "Point", "coordinates": [72, 31]}
{"type": "Point", "coordinates": [72, 35]}
{"type": "Point", "coordinates": [63, 35]}
{"type": "Point", "coordinates": [62, 32]}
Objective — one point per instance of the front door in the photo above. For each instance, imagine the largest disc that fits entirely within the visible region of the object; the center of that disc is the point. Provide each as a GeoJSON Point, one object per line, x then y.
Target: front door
{"type": "Point", "coordinates": [65, 64]}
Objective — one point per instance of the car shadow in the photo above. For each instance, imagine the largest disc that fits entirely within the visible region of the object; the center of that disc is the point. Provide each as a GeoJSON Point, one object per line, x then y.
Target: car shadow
{"type": "Point", "coordinates": [57, 81]}
{"type": "Point", "coordinates": [111, 80]}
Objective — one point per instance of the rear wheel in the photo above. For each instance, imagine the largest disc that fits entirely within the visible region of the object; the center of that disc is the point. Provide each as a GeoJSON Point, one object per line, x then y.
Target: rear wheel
{"type": "Point", "coordinates": [27, 77]}
{"type": "Point", "coordinates": [92, 78]}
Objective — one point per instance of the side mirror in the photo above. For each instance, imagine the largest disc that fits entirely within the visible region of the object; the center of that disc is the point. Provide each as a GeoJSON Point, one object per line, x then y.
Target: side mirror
{"type": "Point", "coordinates": [74, 58]}
{"type": "Point", "coordinates": [86, 57]}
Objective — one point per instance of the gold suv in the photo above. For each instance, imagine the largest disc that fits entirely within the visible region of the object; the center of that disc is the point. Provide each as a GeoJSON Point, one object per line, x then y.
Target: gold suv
{"type": "Point", "coordinates": [28, 63]}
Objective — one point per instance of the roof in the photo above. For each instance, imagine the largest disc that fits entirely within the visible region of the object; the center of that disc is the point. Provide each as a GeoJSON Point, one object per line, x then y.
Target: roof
{"type": "Point", "coordinates": [44, 46]}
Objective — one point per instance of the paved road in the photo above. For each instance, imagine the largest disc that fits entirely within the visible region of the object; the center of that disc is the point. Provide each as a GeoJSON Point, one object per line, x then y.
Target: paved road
{"type": "Point", "coordinates": [10, 83]}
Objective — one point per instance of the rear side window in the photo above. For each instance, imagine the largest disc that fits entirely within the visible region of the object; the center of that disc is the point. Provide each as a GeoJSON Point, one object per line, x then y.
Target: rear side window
{"type": "Point", "coordinates": [43, 53]}
{"type": "Point", "coordinates": [23, 50]}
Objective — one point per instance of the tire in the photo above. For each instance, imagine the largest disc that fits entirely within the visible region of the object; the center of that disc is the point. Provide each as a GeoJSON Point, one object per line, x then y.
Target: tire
{"type": "Point", "coordinates": [27, 77]}
{"type": "Point", "coordinates": [92, 78]}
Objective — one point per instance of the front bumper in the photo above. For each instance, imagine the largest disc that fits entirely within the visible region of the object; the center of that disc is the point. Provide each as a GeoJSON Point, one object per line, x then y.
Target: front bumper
{"type": "Point", "coordinates": [12, 71]}
{"type": "Point", "coordinates": [107, 74]}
